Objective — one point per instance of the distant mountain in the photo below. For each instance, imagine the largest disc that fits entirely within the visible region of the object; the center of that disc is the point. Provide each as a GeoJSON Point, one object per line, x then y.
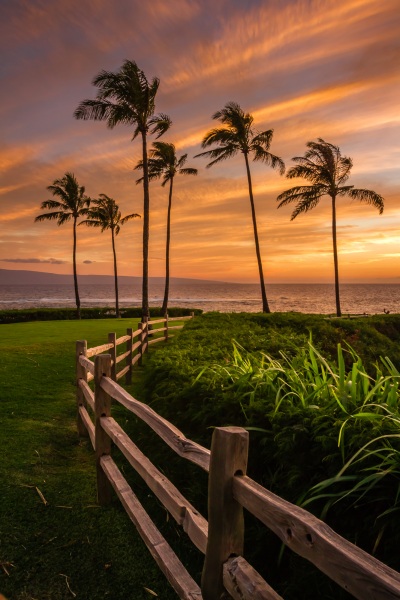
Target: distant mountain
{"type": "Point", "coordinates": [13, 277]}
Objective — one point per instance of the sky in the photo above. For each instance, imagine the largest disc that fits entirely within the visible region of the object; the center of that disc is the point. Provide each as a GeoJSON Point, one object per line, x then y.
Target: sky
{"type": "Point", "coordinates": [304, 68]}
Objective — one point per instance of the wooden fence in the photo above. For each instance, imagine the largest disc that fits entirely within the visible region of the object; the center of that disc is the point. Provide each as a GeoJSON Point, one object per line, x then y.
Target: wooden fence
{"type": "Point", "coordinates": [225, 573]}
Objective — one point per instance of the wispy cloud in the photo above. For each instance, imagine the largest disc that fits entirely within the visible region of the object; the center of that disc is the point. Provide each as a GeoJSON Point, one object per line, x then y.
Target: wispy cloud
{"type": "Point", "coordinates": [307, 68]}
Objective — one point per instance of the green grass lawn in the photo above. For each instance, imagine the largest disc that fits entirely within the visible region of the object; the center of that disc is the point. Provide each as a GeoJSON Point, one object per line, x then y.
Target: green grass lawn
{"type": "Point", "coordinates": [55, 541]}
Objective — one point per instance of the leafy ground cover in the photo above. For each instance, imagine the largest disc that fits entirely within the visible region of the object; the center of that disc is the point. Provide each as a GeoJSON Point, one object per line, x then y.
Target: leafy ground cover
{"type": "Point", "coordinates": [55, 542]}
{"type": "Point", "coordinates": [319, 414]}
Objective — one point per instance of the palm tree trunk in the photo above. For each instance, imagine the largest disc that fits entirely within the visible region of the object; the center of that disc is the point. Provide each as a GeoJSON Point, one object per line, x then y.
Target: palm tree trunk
{"type": "Point", "coordinates": [265, 305]}
{"type": "Point", "coordinates": [77, 299]}
{"type": "Point", "coordinates": [115, 274]}
{"type": "Point", "coordinates": [146, 220]}
{"type": "Point", "coordinates": [335, 258]}
{"type": "Point", "coordinates": [164, 307]}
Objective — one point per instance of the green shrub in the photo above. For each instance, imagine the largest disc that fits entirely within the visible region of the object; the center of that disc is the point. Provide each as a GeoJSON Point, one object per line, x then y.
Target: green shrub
{"type": "Point", "coordinates": [63, 314]}
{"type": "Point", "coordinates": [312, 411]}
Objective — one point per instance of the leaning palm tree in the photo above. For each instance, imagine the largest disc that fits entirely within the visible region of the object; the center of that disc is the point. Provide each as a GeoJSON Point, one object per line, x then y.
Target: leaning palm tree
{"type": "Point", "coordinates": [164, 163]}
{"type": "Point", "coordinates": [328, 171]}
{"type": "Point", "coordinates": [72, 204]}
{"type": "Point", "coordinates": [104, 213]}
{"type": "Point", "coordinates": [239, 135]}
{"type": "Point", "coordinates": [127, 97]}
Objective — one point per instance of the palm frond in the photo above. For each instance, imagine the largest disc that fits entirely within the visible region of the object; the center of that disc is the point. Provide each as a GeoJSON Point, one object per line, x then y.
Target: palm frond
{"type": "Point", "coordinates": [181, 161]}
{"type": "Point", "coordinates": [264, 138]}
{"type": "Point", "coordinates": [305, 205]}
{"type": "Point", "coordinates": [53, 216]}
{"type": "Point", "coordinates": [298, 193]}
{"type": "Point", "coordinates": [219, 154]}
{"type": "Point", "coordinates": [159, 124]}
{"type": "Point", "coordinates": [262, 155]}
{"type": "Point", "coordinates": [128, 218]}
{"type": "Point", "coordinates": [369, 197]}
{"type": "Point", "coordinates": [188, 171]}
{"type": "Point", "coordinates": [53, 204]}
{"type": "Point", "coordinates": [95, 110]}
{"type": "Point", "coordinates": [93, 223]}
{"type": "Point", "coordinates": [307, 170]}
{"type": "Point", "coordinates": [220, 136]}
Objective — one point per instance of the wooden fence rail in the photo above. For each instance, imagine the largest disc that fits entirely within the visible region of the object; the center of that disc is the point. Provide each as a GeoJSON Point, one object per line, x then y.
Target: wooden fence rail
{"type": "Point", "coordinates": [225, 570]}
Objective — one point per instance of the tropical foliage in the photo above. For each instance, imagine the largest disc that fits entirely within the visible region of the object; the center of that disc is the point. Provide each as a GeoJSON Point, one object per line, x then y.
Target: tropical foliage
{"type": "Point", "coordinates": [70, 206]}
{"type": "Point", "coordinates": [105, 214]}
{"type": "Point", "coordinates": [239, 135]}
{"type": "Point", "coordinates": [328, 171]}
{"type": "Point", "coordinates": [164, 164]}
{"type": "Point", "coordinates": [323, 421]}
{"type": "Point", "coordinates": [127, 97]}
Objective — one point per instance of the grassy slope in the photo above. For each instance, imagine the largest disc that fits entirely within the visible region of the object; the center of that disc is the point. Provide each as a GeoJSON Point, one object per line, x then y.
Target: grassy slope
{"type": "Point", "coordinates": [70, 541]}
{"type": "Point", "coordinates": [297, 448]}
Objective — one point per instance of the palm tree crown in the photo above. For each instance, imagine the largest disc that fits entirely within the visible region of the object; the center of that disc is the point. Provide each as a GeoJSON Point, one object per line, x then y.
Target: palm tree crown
{"type": "Point", "coordinates": [125, 97]}
{"type": "Point", "coordinates": [128, 97]}
{"type": "Point", "coordinates": [105, 214]}
{"type": "Point", "coordinates": [71, 205]}
{"type": "Point", "coordinates": [239, 135]}
{"type": "Point", "coordinates": [328, 171]}
{"type": "Point", "coordinates": [163, 163]}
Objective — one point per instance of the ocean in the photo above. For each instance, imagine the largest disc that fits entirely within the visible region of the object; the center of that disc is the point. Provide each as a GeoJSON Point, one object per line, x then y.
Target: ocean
{"type": "Point", "coordinates": [223, 297]}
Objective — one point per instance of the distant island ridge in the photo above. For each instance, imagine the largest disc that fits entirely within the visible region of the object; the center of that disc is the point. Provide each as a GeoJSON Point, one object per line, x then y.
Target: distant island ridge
{"type": "Point", "coordinates": [25, 277]}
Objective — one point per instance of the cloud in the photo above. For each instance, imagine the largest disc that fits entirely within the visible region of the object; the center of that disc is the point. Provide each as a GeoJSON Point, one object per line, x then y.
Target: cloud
{"type": "Point", "coordinates": [51, 261]}
{"type": "Point", "coordinates": [88, 262]}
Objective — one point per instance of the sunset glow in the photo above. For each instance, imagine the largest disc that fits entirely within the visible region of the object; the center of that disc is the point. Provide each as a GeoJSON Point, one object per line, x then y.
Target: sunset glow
{"type": "Point", "coordinates": [305, 68]}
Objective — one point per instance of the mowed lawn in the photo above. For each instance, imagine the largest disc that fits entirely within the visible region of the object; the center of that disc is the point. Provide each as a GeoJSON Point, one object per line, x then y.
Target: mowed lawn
{"type": "Point", "coordinates": [55, 541]}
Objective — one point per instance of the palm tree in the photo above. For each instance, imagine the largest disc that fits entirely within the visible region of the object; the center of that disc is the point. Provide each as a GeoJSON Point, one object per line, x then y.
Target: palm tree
{"type": "Point", "coordinates": [239, 135]}
{"type": "Point", "coordinates": [106, 214]}
{"type": "Point", "coordinates": [72, 204]}
{"type": "Point", "coordinates": [328, 170]}
{"type": "Point", "coordinates": [127, 97]}
{"type": "Point", "coordinates": [164, 163]}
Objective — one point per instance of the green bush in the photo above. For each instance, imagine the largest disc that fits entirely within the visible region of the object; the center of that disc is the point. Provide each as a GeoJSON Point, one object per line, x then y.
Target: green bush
{"type": "Point", "coordinates": [312, 412]}
{"type": "Point", "coordinates": [63, 314]}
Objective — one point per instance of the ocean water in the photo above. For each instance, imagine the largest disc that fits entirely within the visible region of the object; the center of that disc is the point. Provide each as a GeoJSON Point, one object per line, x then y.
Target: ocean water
{"type": "Point", "coordinates": [229, 297]}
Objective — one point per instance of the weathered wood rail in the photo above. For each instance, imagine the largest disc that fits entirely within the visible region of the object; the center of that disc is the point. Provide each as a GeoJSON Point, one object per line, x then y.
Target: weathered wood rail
{"type": "Point", "coordinates": [226, 574]}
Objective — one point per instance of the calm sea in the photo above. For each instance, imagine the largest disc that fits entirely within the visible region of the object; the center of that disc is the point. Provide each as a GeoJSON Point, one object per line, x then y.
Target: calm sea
{"type": "Point", "coordinates": [229, 297]}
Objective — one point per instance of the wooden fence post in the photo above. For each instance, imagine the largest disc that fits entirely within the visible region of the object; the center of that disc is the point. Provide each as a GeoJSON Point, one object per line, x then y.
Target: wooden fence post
{"type": "Point", "coordinates": [128, 361]}
{"type": "Point", "coordinates": [113, 353]}
{"type": "Point", "coordinates": [192, 314]}
{"type": "Point", "coordinates": [166, 327]}
{"type": "Point", "coordinates": [81, 373]}
{"type": "Point", "coordinates": [146, 333]}
{"type": "Point", "coordinates": [140, 348]}
{"type": "Point", "coordinates": [102, 402]}
{"type": "Point", "coordinates": [229, 450]}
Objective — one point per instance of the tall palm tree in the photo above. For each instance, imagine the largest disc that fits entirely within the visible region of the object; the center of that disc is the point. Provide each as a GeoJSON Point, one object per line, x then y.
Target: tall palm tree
{"type": "Point", "coordinates": [239, 135]}
{"type": "Point", "coordinates": [328, 171]}
{"type": "Point", "coordinates": [71, 205]}
{"type": "Point", "coordinates": [164, 163]}
{"type": "Point", "coordinates": [104, 213]}
{"type": "Point", "coordinates": [127, 97]}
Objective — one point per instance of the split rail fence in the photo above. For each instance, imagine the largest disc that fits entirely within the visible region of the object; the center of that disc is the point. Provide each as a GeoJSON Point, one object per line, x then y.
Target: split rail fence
{"type": "Point", "coordinates": [226, 574]}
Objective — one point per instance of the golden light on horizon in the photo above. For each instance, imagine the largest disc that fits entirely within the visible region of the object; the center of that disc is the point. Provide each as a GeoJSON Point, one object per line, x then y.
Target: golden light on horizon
{"type": "Point", "coordinates": [307, 69]}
